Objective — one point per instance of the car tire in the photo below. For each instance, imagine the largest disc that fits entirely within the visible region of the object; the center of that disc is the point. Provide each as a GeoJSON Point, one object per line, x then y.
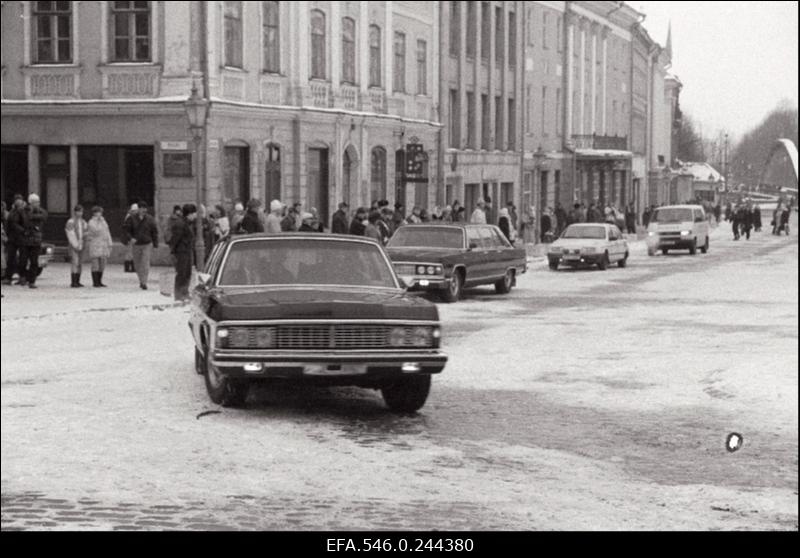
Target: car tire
{"type": "Point", "coordinates": [407, 394]}
{"type": "Point", "coordinates": [503, 286]}
{"type": "Point", "coordinates": [693, 247]}
{"type": "Point", "coordinates": [199, 362]}
{"type": "Point", "coordinates": [602, 263]}
{"type": "Point", "coordinates": [705, 247]}
{"type": "Point", "coordinates": [553, 265]}
{"type": "Point", "coordinates": [228, 392]}
{"type": "Point", "coordinates": [624, 261]}
{"type": "Point", "coordinates": [453, 292]}
{"type": "Point", "coordinates": [665, 251]}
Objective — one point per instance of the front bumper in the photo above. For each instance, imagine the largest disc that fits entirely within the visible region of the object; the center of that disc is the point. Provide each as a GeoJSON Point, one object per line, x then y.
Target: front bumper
{"type": "Point", "coordinates": [677, 243]}
{"type": "Point", "coordinates": [422, 283]}
{"type": "Point", "coordinates": [321, 364]}
{"type": "Point", "coordinates": [575, 259]}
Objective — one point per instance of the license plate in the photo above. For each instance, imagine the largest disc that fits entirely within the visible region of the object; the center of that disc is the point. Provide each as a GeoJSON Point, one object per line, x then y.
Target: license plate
{"type": "Point", "coordinates": [668, 242]}
{"type": "Point", "coordinates": [572, 257]}
{"type": "Point", "coordinates": [335, 370]}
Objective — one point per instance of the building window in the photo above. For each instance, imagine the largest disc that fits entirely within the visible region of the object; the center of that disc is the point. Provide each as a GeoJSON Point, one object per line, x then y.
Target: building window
{"type": "Point", "coordinates": [544, 30]}
{"type": "Point", "coordinates": [399, 62]}
{"type": "Point", "coordinates": [455, 119]}
{"type": "Point", "coordinates": [472, 28]}
{"type": "Point", "coordinates": [486, 123]}
{"type": "Point", "coordinates": [272, 35]}
{"type": "Point", "coordinates": [512, 39]}
{"type": "Point", "coordinates": [559, 40]}
{"type": "Point", "coordinates": [544, 111]}
{"type": "Point", "coordinates": [422, 68]}
{"type": "Point", "coordinates": [378, 174]}
{"type": "Point", "coordinates": [318, 55]}
{"type": "Point", "coordinates": [348, 50]}
{"type": "Point", "coordinates": [529, 26]}
{"type": "Point", "coordinates": [486, 23]}
{"type": "Point", "coordinates": [130, 31]}
{"type": "Point", "coordinates": [498, 123]}
{"type": "Point", "coordinates": [512, 125]}
{"type": "Point", "coordinates": [499, 38]}
{"type": "Point", "coordinates": [233, 34]}
{"type": "Point", "coordinates": [455, 28]}
{"type": "Point", "coordinates": [374, 56]}
{"type": "Point", "coordinates": [52, 31]}
{"type": "Point", "coordinates": [471, 120]}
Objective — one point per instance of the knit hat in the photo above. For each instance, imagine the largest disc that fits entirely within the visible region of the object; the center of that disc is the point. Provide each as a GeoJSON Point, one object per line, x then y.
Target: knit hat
{"type": "Point", "coordinates": [275, 205]}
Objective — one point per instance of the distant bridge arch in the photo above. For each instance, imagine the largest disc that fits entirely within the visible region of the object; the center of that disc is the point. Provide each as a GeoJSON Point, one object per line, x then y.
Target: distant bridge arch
{"type": "Point", "coordinates": [780, 168]}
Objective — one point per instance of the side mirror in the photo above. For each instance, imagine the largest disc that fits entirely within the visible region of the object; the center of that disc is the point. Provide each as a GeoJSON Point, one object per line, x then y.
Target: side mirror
{"type": "Point", "coordinates": [204, 279]}
{"type": "Point", "coordinates": [473, 245]}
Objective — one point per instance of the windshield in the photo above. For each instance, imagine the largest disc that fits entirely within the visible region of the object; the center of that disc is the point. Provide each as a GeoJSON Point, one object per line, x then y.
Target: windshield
{"type": "Point", "coordinates": [306, 262]}
{"type": "Point", "coordinates": [427, 237]}
{"type": "Point", "coordinates": [585, 232]}
{"type": "Point", "coordinates": [672, 215]}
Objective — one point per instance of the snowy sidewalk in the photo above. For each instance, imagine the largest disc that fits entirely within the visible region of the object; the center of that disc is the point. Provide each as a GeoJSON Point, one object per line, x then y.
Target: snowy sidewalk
{"type": "Point", "coordinates": [54, 295]}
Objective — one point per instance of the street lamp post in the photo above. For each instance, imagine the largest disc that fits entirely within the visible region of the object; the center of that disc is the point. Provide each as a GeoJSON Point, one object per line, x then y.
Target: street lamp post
{"type": "Point", "coordinates": [538, 157]}
{"type": "Point", "coordinates": [197, 113]}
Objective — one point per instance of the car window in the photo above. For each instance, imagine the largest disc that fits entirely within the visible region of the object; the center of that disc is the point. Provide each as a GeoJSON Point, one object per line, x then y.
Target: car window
{"type": "Point", "coordinates": [614, 233]}
{"type": "Point", "coordinates": [427, 237]}
{"type": "Point", "coordinates": [213, 259]}
{"type": "Point", "coordinates": [488, 241]}
{"type": "Point", "coordinates": [672, 215]}
{"type": "Point", "coordinates": [474, 237]}
{"type": "Point", "coordinates": [698, 216]}
{"type": "Point", "coordinates": [597, 232]}
{"type": "Point", "coordinates": [305, 262]}
{"type": "Point", "coordinates": [500, 239]}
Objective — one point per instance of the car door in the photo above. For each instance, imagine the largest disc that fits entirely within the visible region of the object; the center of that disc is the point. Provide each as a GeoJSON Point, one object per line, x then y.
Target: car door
{"type": "Point", "coordinates": [616, 250]}
{"type": "Point", "coordinates": [475, 255]}
{"type": "Point", "coordinates": [504, 251]}
{"type": "Point", "coordinates": [701, 226]}
{"type": "Point", "coordinates": [494, 253]}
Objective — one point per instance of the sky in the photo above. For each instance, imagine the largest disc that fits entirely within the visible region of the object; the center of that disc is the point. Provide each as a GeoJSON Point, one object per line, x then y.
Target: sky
{"type": "Point", "coordinates": [736, 60]}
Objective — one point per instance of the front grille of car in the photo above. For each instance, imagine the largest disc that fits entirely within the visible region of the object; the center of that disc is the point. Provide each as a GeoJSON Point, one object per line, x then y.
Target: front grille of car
{"type": "Point", "coordinates": [670, 235]}
{"type": "Point", "coordinates": [405, 269]}
{"type": "Point", "coordinates": [574, 251]}
{"type": "Point", "coordinates": [319, 336]}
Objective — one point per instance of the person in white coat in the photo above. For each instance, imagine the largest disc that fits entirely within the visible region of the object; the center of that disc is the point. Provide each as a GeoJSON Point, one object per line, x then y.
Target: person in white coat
{"type": "Point", "coordinates": [99, 238]}
{"type": "Point", "coordinates": [76, 229]}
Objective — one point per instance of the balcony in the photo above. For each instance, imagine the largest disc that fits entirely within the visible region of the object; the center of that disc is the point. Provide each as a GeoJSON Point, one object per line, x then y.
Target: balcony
{"type": "Point", "coordinates": [349, 97]}
{"type": "Point", "coordinates": [321, 95]}
{"type": "Point", "coordinates": [130, 80]}
{"type": "Point", "coordinates": [595, 141]}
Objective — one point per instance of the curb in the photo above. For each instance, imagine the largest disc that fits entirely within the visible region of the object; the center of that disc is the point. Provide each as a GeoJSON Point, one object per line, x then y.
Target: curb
{"type": "Point", "coordinates": [156, 307]}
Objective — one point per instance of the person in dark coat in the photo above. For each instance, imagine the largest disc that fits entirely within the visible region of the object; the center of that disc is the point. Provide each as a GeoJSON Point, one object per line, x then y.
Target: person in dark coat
{"type": "Point", "coordinates": [746, 221]}
{"type": "Point", "coordinates": [717, 212]}
{"type": "Point", "coordinates": [251, 223]}
{"type": "Point", "coordinates": [142, 229]}
{"type": "Point", "coordinates": [757, 218]}
{"type": "Point", "coordinates": [358, 225]}
{"type": "Point", "coordinates": [181, 244]}
{"type": "Point", "coordinates": [561, 218]}
{"type": "Point", "coordinates": [546, 225]}
{"type": "Point", "coordinates": [784, 221]}
{"type": "Point", "coordinates": [504, 222]}
{"type": "Point", "coordinates": [308, 223]}
{"type": "Point", "coordinates": [339, 222]}
{"type": "Point", "coordinates": [593, 215]}
{"type": "Point", "coordinates": [33, 220]}
{"type": "Point", "coordinates": [630, 219]}
{"type": "Point", "coordinates": [14, 231]}
{"type": "Point", "coordinates": [728, 212]}
{"type": "Point", "coordinates": [737, 223]}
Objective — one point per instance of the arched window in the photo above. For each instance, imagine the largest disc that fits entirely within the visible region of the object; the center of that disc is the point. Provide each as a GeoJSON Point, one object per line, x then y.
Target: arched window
{"type": "Point", "coordinates": [273, 172]}
{"type": "Point", "coordinates": [272, 34]}
{"type": "Point", "coordinates": [318, 56]}
{"type": "Point", "coordinates": [375, 56]}
{"type": "Point", "coordinates": [378, 174]}
{"type": "Point", "coordinates": [348, 50]}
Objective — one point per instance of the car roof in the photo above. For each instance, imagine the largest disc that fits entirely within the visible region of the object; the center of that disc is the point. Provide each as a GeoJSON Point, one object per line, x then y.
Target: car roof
{"type": "Point", "coordinates": [454, 225]}
{"type": "Point", "coordinates": [592, 225]}
{"type": "Point", "coordinates": [304, 235]}
{"type": "Point", "coordinates": [681, 206]}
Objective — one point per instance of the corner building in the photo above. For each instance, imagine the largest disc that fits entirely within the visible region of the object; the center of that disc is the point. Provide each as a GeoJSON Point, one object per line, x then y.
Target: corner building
{"type": "Point", "coordinates": [308, 101]}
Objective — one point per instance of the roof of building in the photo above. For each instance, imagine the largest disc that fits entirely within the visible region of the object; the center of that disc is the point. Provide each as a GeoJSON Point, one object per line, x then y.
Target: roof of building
{"type": "Point", "coordinates": [702, 172]}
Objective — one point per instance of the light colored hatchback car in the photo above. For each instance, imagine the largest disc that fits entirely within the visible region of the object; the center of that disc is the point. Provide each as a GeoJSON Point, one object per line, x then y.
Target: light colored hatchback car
{"type": "Point", "coordinates": [584, 244]}
{"type": "Point", "coordinates": [678, 227]}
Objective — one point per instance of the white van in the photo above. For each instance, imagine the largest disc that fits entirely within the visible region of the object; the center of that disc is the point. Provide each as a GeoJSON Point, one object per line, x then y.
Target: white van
{"type": "Point", "coordinates": [678, 227]}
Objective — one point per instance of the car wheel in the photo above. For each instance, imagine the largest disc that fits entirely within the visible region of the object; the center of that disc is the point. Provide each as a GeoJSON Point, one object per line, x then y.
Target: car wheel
{"type": "Point", "coordinates": [408, 394]}
{"type": "Point", "coordinates": [602, 264]}
{"type": "Point", "coordinates": [624, 261]}
{"type": "Point", "coordinates": [665, 251]}
{"type": "Point", "coordinates": [228, 392]}
{"type": "Point", "coordinates": [503, 286]}
{"type": "Point", "coordinates": [705, 247]}
{"type": "Point", "coordinates": [651, 251]}
{"type": "Point", "coordinates": [693, 247]}
{"type": "Point", "coordinates": [199, 362]}
{"type": "Point", "coordinates": [453, 291]}
{"type": "Point", "coordinates": [553, 265]}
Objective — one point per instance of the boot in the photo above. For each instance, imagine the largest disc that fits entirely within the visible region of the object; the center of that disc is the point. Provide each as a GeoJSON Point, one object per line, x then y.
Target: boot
{"type": "Point", "coordinates": [74, 283]}
{"type": "Point", "coordinates": [95, 279]}
{"type": "Point", "coordinates": [100, 279]}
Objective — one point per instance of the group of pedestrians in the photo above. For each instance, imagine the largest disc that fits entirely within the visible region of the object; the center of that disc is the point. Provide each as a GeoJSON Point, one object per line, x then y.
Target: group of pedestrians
{"type": "Point", "coordinates": [23, 228]}
{"type": "Point", "coordinates": [744, 218]}
{"type": "Point", "coordinates": [555, 220]}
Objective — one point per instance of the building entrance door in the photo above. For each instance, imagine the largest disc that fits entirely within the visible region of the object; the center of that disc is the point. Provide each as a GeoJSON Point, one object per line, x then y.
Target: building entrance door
{"type": "Point", "coordinates": [54, 188]}
{"type": "Point", "coordinates": [272, 180]}
{"type": "Point", "coordinates": [14, 173]}
{"type": "Point", "coordinates": [318, 190]}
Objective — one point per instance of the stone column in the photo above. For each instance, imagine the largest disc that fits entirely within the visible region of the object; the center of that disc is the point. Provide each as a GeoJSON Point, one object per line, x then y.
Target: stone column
{"type": "Point", "coordinates": [604, 84]}
{"type": "Point", "coordinates": [388, 49]}
{"type": "Point", "coordinates": [335, 42]}
{"type": "Point", "coordinates": [363, 52]}
{"type": "Point", "coordinates": [593, 111]}
{"type": "Point", "coordinates": [582, 90]}
{"type": "Point", "coordinates": [569, 21]}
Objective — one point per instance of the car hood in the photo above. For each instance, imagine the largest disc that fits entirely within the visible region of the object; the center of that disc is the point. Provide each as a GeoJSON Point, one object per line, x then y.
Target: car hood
{"type": "Point", "coordinates": [427, 255]}
{"type": "Point", "coordinates": [322, 304]}
{"type": "Point", "coordinates": [577, 243]}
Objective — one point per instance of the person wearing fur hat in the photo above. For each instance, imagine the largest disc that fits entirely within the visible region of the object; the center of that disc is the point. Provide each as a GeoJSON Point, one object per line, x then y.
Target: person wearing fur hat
{"type": "Point", "coordinates": [76, 229]}
{"type": "Point", "coordinates": [251, 223]}
{"type": "Point", "coordinates": [273, 222]}
{"type": "Point", "coordinates": [181, 244]}
{"type": "Point", "coordinates": [99, 239]}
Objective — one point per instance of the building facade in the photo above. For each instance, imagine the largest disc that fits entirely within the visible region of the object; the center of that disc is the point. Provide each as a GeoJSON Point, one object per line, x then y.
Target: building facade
{"type": "Point", "coordinates": [307, 101]}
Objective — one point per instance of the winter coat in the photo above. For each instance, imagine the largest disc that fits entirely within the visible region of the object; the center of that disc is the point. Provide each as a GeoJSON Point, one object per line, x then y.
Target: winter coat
{"type": "Point", "coordinates": [33, 221]}
{"type": "Point", "coordinates": [98, 238]}
{"type": "Point", "coordinates": [251, 223]}
{"type": "Point", "coordinates": [76, 233]}
{"type": "Point", "coordinates": [181, 239]}
{"type": "Point", "coordinates": [478, 216]}
{"type": "Point", "coordinates": [339, 224]}
{"type": "Point", "coordinates": [142, 230]}
{"type": "Point", "coordinates": [357, 228]}
{"type": "Point", "coordinates": [170, 222]}
{"type": "Point", "coordinates": [505, 227]}
{"type": "Point", "coordinates": [371, 231]}
{"type": "Point", "coordinates": [273, 223]}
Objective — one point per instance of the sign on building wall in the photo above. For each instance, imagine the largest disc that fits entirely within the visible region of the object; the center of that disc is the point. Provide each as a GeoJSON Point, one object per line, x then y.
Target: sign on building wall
{"type": "Point", "coordinates": [416, 160]}
{"type": "Point", "coordinates": [177, 164]}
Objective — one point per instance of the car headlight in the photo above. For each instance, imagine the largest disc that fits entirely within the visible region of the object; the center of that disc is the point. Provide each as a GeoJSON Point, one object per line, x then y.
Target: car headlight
{"type": "Point", "coordinates": [421, 337]}
{"type": "Point", "coordinates": [265, 338]}
{"type": "Point", "coordinates": [430, 270]}
{"type": "Point", "coordinates": [413, 337]}
{"type": "Point", "coordinates": [685, 233]}
{"type": "Point", "coordinates": [420, 270]}
{"type": "Point", "coordinates": [651, 233]}
{"type": "Point", "coordinates": [439, 270]}
{"type": "Point", "coordinates": [397, 336]}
